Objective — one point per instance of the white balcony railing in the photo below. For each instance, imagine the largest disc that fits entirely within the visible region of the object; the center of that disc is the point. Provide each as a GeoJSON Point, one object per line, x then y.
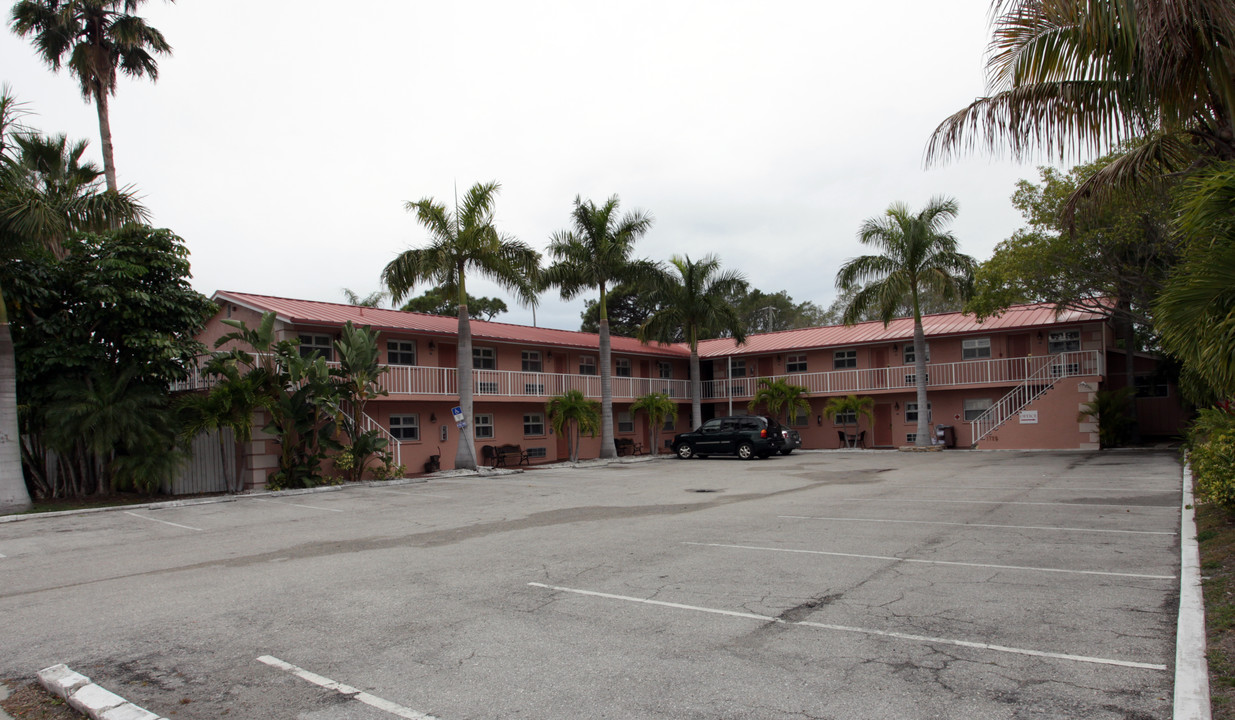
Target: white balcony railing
{"type": "Point", "coordinates": [419, 380]}
{"type": "Point", "coordinates": [1002, 371]}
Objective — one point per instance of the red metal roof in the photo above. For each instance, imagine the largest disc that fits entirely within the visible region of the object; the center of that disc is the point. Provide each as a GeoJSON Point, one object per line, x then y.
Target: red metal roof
{"type": "Point", "coordinates": [943, 324]}
{"type": "Point", "coordinates": [311, 312]}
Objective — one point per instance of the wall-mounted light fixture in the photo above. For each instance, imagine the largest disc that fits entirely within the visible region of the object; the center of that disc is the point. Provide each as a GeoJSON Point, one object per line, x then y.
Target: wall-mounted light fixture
{"type": "Point", "coordinates": [1039, 336]}
{"type": "Point", "coordinates": [432, 417]}
{"type": "Point", "coordinates": [548, 356]}
{"type": "Point", "coordinates": [893, 347]}
{"type": "Point", "coordinates": [896, 405]}
{"type": "Point", "coordinates": [819, 419]}
{"type": "Point", "coordinates": [432, 346]}
{"type": "Point", "coordinates": [778, 360]}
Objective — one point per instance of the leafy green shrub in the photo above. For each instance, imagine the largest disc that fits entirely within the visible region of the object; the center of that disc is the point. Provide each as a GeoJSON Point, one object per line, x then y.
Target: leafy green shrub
{"type": "Point", "coordinates": [1211, 448]}
{"type": "Point", "coordinates": [1110, 410]}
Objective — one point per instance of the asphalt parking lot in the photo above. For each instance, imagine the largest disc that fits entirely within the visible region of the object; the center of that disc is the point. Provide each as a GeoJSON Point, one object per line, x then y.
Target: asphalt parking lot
{"type": "Point", "coordinates": [820, 585]}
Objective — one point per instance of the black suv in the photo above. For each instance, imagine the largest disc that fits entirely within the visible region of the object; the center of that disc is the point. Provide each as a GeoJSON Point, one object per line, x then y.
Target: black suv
{"type": "Point", "coordinates": [746, 436]}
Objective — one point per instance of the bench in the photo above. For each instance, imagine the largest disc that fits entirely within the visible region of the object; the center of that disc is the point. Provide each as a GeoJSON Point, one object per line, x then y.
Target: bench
{"type": "Point", "coordinates": [505, 453]}
{"type": "Point", "coordinates": [626, 446]}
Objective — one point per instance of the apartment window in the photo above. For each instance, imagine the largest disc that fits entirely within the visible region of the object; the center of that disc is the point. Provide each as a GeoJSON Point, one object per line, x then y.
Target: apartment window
{"type": "Point", "coordinates": [911, 357]}
{"type": "Point", "coordinates": [587, 365]}
{"type": "Point", "coordinates": [975, 349]}
{"type": "Point", "coordinates": [534, 424]}
{"type": "Point", "coordinates": [483, 425]}
{"type": "Point", "coordinates": [621, 367]}
{"type": "Point", "coordinates": [405, 427]}
{"type": "Point", "coordinates": [911, 380]}
{"type": "Point", "coordinates": [665, 369]}
{"type": "Point", "coordinates": [531, 361]}
{"type": "Point", "coordinates": [795, 363]}
{"type": "Point", "coordinates": [911, 439]}
{"type": "Point", "coordinates": [625, 423]}
{"type": "Point", "coordinates": [975, 407]}
{"type": "Point", "coordinates": [737, 368]}
{"type": "Point", "coordinates": [311, 345]}
{"type": "Point", "coordinates": [1064, 341]}
{"type": "Point", "coordinates": [670, 422]}
{"type": "Point", "coordinates": [401, 352]}
{"type": "Point", "coordinates": [1148, 386]}
{"type": "Point", "coordinates": [801, 418]}
{"type": "Point", "coordinates": [484, 358]}
{"type": "Point", "coordinates": [911, 412]}
{"type": "Point", "coordinates": [843, 359]}
{"type": "Point", "coordinates": [849, 417]}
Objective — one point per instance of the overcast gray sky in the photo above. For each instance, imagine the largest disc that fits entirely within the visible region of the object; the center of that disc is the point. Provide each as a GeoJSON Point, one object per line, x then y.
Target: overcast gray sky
{"type": "Point", "coordinates": [282, 139]}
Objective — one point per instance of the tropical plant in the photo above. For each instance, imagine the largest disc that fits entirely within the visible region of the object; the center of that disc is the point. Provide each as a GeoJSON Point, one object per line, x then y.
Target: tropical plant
{"type": "Point", "coordinates": [596, 253]}
{"type": "Point", "coordinates": [694, 305]}
{"type": "Point", "coordinates": [1211, 452]}
{"type": "Point", "coordinates": [38, 211]}
{"type": "Point", "coordinates": [300, 393]}
{"type": "Point", "coordinates": [1109, 409]}
{"type": "Point", "coordinates": [1087, 76]}
{"type": "Point", "coordinates": [659, 407]}
{"type": "Point", "coordinates": [571, 414]}
{"type": "Point", "coordinates": [98, 38]}
{"type": "Point", "coordinates": [916, 253]}
{"type": "Point", "coordinates": [357, 377]}
{"type": "Point", "coordinates": [436, 302]}
{"type": "Point", "coordinates": [373, 299]}
{"type": "Point", "coordinates": [851, 406]}
{"type": "Point", "coordinates": [1195, 314]}
{"type": "Point", "coordinates": [121, 426]}
{"type": "Point", "coordinates": [228, 405]}
{"type": "Point", "coordinates": [780, 395]}
{"type": "Point", "coordinates": [464, 240]}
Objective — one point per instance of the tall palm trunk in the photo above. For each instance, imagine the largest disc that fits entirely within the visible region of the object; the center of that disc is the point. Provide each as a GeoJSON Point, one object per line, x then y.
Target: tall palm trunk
{"type": "Point", "coordinates": [13, 494]}
{"type": "Point", "coordinates": [109, 161]}
{"type": "Point", "coordinates": [696, 387]}
{"type": "Point", "coordinates": [607, 448]}
{"type": "Point", "coordinates": [919, 369]}
{"type": "Point", "coordinates": [465, 453]}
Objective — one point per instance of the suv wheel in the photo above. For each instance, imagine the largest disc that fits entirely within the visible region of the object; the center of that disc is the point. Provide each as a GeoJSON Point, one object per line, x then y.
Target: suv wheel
{"type": "Point", "coordinates": [786, 452]}
{"type": "Point", "coordinates": [685, 451]}
{"type": "Point", "coordinates": [746, 451]}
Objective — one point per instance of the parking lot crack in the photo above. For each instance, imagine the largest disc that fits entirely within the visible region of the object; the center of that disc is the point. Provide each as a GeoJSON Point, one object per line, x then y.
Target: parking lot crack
{"type": "Point", "coordinates": [800, 612]}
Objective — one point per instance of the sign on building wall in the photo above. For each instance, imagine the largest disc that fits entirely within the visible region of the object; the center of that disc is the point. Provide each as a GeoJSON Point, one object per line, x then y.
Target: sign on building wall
{"type": "Point", "coordinates": [1029, 417]}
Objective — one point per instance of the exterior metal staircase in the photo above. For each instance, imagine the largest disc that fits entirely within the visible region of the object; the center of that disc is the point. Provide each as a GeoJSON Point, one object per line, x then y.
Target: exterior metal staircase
{"type": "Point", "coordinates": [1051, 369]}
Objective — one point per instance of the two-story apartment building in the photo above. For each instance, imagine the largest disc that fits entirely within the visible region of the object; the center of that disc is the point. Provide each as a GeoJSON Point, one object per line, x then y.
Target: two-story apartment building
{"type": "Point", "coordinates": [1014, 381]}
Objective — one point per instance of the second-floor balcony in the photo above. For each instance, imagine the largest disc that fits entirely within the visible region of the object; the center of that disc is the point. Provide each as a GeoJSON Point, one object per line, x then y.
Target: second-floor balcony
{"type": "Point", "coordinates": [420, 381]}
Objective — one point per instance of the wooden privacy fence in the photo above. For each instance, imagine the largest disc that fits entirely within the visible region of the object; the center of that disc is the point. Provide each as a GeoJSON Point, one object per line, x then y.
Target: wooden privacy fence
{"type": "Point", "coordinates": [204, 471]}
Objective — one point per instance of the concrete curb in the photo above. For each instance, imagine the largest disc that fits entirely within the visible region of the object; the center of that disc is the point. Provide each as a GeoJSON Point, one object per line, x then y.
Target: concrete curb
{"type": "Point", "coordinates": [89, 699]}
{"type": "Point", "coordinates": [1191, 666]}
{"type": "Point", "coordinates": [214, 500]}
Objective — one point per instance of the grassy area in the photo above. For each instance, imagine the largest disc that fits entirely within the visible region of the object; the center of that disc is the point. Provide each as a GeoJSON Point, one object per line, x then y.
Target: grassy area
{"type": "Point", "coordinates": [1216, 535]}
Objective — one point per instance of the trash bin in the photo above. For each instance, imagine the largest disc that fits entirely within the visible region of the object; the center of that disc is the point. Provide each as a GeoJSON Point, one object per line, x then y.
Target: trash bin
{"type": "Point", "coordinates": [945, 435]}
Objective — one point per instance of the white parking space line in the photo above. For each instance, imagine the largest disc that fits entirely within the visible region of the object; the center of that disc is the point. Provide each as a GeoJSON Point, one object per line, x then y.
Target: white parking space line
{"type": "Point", "coordinates": [864, 631]}
{"type": "Point", "coordinates": [409, 493]}
{"type": "Point", "coordinates": [935, 562]}
{"type": "Point", "coordinates": [311, 507]}
{"type": "Point", "coordinates": [1016, 502]}
{"type": "Point", "coordinates": [165, 522]}
{"type": "Point", "coordinates": [1034, 488]}
{"type": "Point", "coordinates": [979, 525]}
{"type": "Point", "coordinates": [354, 693]}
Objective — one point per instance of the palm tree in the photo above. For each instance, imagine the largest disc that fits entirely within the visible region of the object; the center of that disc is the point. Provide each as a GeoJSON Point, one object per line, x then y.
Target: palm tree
{"type": "Point", "coordinates": [36, 212]}
{"type": "Point", "coordinates": [1193, 315]}
{"type": "Point", "coordinates": [778, 395]}
{"type": "Point", "coordinates": [917, 254]}
{"type": "Point", "coordinates": [372, 300]}
{"type": "Point", "coordinates": [571, 413]}
{"type": "Point", "coordinates": [858, 407]}
{"type": "Point", "coordinates": [98, 38]}
{"type": "Point", "coordinates": [596, 253]}
{"type": "Point", "coordinates": [695, 305]}
{"type": "Point", "coordinates": [459, 241]}
{"type": "Point", "coordinates": [659, 407]}
{"type": "Point", "coordinates": [1086, 77]}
